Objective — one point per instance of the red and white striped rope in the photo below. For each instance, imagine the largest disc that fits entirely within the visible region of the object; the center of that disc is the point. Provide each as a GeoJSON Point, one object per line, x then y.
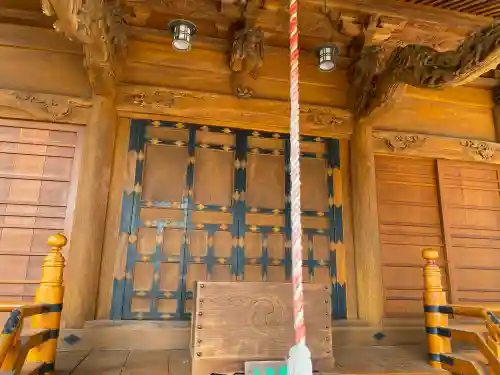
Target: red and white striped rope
{"type": "Point", "coordinates": [298, 295]}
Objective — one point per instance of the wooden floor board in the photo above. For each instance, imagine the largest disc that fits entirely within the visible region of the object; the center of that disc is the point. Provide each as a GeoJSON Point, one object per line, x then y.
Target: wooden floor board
{"type": "Point", "coordinates": [180, 363]}
{"type": "Point", "coordinates": [381, 359]}
{"type": "Point", "coordinates": [103, 362]}
{"type": "Point", "coordinates": [66, 362]}
{"type": "Point", "coordinates": [150, 362]}
{"type": "Point", "coordinates": [369, 360]}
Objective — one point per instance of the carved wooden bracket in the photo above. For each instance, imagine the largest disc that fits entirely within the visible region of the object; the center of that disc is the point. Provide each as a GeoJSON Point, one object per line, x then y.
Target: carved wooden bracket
{"type": "Point", "coordinates": [373, 81]}
{"type": "Point", "coordinates": [247, 57]}
{"type": "Point", "coordinates": [98, 26]}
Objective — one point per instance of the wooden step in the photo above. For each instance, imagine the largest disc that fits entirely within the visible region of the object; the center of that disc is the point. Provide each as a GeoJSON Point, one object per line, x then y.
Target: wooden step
{"type": "Point", "coordinates": [29, 333]}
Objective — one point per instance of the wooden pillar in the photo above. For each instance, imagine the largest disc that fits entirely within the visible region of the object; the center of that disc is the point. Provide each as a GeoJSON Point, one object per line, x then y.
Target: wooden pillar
{"type": "Point", "coordinates": [366, 228]}
{"type": "Point", "coordinates": [496, 111]}
{"type": "Point", "coordinates": [90, 213]}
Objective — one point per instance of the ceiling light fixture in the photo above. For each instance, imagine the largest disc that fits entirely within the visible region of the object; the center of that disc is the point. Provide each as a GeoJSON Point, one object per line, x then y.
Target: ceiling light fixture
{"type": "Point", "coordinates": [327, 54]}
{"type": "Point", "coordinates": [182, 33]}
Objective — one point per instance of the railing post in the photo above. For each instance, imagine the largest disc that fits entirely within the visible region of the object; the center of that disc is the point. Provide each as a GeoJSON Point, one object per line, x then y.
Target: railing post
{"type": "Point", "coordinates": [493, 338]}
{"type": "Point", "coordinates": [434, 298]}
{"type": "Point", "coordinates": [50, 292]}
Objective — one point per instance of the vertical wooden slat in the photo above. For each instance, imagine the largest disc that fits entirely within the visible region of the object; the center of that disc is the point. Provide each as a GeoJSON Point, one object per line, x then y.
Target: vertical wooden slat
{"type": "Point", "coordinates": [445, 222]}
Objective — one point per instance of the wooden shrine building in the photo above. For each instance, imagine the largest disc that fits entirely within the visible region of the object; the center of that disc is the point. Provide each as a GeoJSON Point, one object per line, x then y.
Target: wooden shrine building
{"type": "Point", "coordinates": [165, 167]}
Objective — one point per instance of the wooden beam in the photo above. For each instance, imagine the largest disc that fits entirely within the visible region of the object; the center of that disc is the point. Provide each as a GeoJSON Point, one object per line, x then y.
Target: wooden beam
{"type": "Point", "coordinates": [24, 15]}
{"type": "Point", "coordinates": [84, 261]}
{"type": "Point", "coordinates": [409, 11]}
{"type": "Point", "coordinates": [43, 107]}
{"type": "Point", "coordinates": [435, 147]}
{"type": "Point", "coordinates": [366, 229]}
{"type": "Point", "coordinates": [257, 114]}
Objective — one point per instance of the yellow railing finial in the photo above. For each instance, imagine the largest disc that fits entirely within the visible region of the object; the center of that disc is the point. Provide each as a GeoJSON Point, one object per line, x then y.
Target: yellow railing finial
{"type": "Point", "coordinates": [432, 273]}
{"type": "Point", "coordinates": [51, 292]}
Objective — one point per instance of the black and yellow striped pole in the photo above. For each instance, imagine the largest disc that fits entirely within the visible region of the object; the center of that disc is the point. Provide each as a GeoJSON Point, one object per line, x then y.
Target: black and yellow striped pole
{"type": "Point", "coordinates": [434, 307]}
{"type": "Point", "coordinates": [50, 293]}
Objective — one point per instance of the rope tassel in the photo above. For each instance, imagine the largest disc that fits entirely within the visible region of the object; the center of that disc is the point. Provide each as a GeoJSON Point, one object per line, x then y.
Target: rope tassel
{"type": "Point", "coordinates": [299, 357]}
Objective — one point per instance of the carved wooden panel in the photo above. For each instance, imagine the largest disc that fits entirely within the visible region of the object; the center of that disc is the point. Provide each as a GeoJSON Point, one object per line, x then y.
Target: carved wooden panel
{"type": "Point", "coordinates": [470, 195]}
{"type": "Point", "coordinates": [213, 204]}
{"type": "Point", "coordinates": [409, 219]}
{"type": "Point", "coordinates": [261, 313]}
{"type": "Point", "coordinates": [38, 172]}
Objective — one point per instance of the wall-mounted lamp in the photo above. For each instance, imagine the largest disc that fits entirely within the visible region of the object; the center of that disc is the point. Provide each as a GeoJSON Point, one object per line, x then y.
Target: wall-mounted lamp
{"type": "Point", "coordinates": [326, 56]}
{"type": "Point", "coordinates": [182, 32]}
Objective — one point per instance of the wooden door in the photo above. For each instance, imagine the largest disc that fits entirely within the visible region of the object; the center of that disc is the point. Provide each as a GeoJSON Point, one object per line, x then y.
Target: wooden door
{"type": "Point", "coordinates": [470, 197]}
{"type": "Point", "coordinates": [38, 178]}
{"type": "Point", "coordinates": [213, 203]}
{"type": "Point", "coordinates": [409, 220]}
{"type": "Point", "coordinates": [266, 222]}
{"type": "Point", "coordinates": [180, 218]}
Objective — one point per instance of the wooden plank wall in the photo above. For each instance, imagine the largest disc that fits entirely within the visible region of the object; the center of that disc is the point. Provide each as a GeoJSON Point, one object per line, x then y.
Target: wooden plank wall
{"type": "Point", "coordinates": [40, 60]}
{"type": "Point", "coordinates": [38, 178]}
{"type": "Point", "coordinates": [206, 69]}
{"type": "Point", "coordinates": [470, 196]}
{"type": "Point", "coordinates": [409, 220]}
{"type": "Point", "coordinates": [462, 112]}
{"type": "Point", "coordinates": [451, 206]}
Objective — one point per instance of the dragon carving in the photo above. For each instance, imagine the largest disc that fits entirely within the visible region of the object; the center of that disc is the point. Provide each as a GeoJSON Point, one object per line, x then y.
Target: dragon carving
{"type": "Point", "coordinates": [374, 82]}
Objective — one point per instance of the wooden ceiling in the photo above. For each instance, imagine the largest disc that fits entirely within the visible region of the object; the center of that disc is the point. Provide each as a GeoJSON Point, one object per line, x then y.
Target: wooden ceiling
{"type": "Point", "coordinates": [398, 22]}
{"type": "Point", "coordinates": [441, 24]}
{"type": "Point", "coordinates": [488, 8]}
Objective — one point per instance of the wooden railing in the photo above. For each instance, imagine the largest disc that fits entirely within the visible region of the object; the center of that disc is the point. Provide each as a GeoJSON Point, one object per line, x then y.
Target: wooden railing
{"type": "Point", "coordinates": [33, 351]}
{"type": "Point", "coordinates": [440, 334]}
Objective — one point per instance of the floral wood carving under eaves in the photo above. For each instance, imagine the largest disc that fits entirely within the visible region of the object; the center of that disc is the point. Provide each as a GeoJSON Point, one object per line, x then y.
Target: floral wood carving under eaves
{"type": "Point", "coordinates": [484, 150]}
{"type": "Point", "coordinates": [46, 106]}
{"type": "Point", "coordinates": [402, 142]}
{"type": "Point", "coordinates": [321, 119]}
{"type": "Point", "coordinates": [161, 99]}
{"type": "Point", "coordinates": [374, 81]}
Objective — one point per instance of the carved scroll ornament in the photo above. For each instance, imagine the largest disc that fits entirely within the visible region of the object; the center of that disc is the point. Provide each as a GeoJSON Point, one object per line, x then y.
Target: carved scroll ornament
{"type": "Point", "coordinates": [373, 82]}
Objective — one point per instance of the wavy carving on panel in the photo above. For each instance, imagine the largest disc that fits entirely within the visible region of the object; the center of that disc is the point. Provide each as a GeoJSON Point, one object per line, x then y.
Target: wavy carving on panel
{"type": "Point", "coordinates": [374, 81]}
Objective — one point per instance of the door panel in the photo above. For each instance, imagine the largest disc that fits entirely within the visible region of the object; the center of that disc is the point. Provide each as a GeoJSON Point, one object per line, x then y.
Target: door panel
{"type": "Point", "coordinates": [409, 220]}
{"type": "Point", "coordinates": [470, 198]}
{"type": "Point", "coordinates": [38, 177]}
{"type": "Point", "coordinates": [213, 204]}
